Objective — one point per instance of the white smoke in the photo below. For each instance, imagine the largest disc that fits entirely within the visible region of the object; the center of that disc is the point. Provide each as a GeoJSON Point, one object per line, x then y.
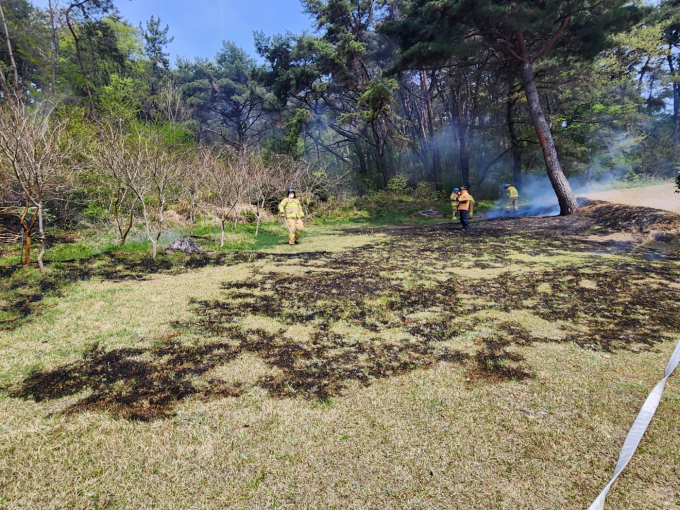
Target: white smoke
{"type": "Point", "coordinates": [536, 198]}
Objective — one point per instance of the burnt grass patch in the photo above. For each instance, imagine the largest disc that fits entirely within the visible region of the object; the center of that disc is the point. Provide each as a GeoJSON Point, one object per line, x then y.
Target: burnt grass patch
{"type": "Point", "coordinates": [382, 310]}
{"type": "Point", "coordinates": [22, 292]}
{"type": "Point", "coordinates": [133, 383]}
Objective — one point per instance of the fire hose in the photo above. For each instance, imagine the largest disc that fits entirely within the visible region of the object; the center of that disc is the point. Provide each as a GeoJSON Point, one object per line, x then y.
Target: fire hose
{"type": "Point", "coordinates": [638, 429]}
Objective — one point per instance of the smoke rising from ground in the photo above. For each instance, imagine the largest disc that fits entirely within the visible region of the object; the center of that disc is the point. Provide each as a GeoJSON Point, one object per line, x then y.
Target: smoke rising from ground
{"type": "Point", "coordinates": [537, 196]}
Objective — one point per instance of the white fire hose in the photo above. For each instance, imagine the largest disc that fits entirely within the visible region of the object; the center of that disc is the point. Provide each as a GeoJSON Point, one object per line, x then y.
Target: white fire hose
{"type": "Point", "coordinates": [638, 429]}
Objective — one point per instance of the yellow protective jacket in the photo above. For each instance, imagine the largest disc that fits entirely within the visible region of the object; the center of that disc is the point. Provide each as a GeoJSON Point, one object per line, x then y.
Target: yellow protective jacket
{"type": "Point", "coordinates": [454, 200]}
{"type": "Point", "coordinates": [512, 192]}
{"type": "Point", "coordinates": [466, 202]}
{"type": "Point", "coordinates": [291, 208]}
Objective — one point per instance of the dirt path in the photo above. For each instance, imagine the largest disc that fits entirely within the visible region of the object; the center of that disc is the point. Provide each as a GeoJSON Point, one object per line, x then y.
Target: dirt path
{"type": "Point", "coordinates": [657, 197]}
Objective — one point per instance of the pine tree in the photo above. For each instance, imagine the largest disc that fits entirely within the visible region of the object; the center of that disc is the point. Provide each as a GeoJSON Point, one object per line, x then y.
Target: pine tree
{"type": "Point", "coordinates": [155, 41]}
{"type": "Point", "coordinates": [519, 32]}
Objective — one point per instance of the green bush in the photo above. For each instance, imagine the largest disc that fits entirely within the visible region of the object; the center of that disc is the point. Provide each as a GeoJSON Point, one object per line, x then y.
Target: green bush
{"type": "Point", "coordinates": [398, 184]}
{"type": "Point", "coordinates": [248, 216]}
{"type": "Point", "coordinates": [423, 190]}
{"type": "Point", "coordinates": [95, 212]}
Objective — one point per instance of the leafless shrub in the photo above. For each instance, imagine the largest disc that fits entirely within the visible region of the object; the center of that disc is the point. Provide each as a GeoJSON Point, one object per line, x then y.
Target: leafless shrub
{"type": "Point", "coordinates": [37, 152]}
{"type": "Point", "coordinates": [268, 180]}
{"type": "Point", "coordinates": [115, 161]}
{"type": "Point", "coordinates": [314, 183]}
{"type": "Point", "coordinates": [171, 107]}
{"type": "Point", "coordinates": [226, 183]}
{"type": "Point", "coordinates": [154, 177]}
{"type": "Point", "coordinates": [198, 164]}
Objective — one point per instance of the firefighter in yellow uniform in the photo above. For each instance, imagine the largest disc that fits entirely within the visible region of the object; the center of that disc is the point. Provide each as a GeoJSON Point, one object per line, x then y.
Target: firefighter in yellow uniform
{"type": "Point", "coordinates": [466, 206]}
{"type": "Point", "coordinates": [291, 209]}
{"type": "Point", "coordinates": [454, 202]}
{"type": "Point", "coordinates": [513, 198]}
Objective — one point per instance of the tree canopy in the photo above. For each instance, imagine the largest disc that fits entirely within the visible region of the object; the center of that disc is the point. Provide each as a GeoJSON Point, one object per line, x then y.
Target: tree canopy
{"type": "Point", "coordinates": [435, 93]}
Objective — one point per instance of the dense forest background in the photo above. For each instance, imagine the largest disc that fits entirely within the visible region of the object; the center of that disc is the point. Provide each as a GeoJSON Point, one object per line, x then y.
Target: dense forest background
{"type": "Point", "coordinates": [398, 94]}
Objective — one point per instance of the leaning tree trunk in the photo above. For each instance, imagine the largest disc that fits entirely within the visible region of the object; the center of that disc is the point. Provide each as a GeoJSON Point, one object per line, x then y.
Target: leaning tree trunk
{"type": "Point", "coordinates": [260, 208]}
{"type": "Point", "coordinates": [192, 216]}
{"type": "Point", "coordinates": [361, 158]}
{"type": "Point", "coordinates": [565, 195]}
{"type": "Point", "coordinates": [676, 96]}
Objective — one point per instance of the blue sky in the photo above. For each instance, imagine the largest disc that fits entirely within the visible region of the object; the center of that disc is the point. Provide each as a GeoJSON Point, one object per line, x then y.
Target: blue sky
{"type": "Point", "coordinates": [200, 26]}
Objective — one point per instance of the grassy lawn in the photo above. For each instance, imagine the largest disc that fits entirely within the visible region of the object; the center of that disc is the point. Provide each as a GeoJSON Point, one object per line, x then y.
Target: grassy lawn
{"type": "Point", "coordinates": [420, 368]}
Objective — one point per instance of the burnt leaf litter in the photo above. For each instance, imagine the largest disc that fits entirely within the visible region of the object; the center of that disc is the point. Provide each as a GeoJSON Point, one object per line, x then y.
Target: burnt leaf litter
{"type": "Point", "coordinates": [385, 309]}
{"type": "Point", "coordinates": [24, 295]}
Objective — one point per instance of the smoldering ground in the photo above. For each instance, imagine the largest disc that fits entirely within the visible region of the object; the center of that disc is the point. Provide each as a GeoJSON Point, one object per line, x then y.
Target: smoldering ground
{"type": "Point", "coordinates": [537, 196]}
{"type": "Point", "coordinates": [416, 299]}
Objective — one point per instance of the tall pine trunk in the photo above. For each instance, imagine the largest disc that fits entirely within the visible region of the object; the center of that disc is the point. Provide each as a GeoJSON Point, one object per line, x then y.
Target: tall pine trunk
{"type": "Point", "coordinates": [380, 160]}
{"type": "Point", "coordinates": [516, 148]}
{"type": "Point", "coordinates": [434, 144]}
{"type": "Point", "coordinates": [676, 110]}
{"type": "Point", "coordinates": [76, 41]}
{"type": "Point", "coordinates": [565, 195]}
{"type": "Point", "coordinates": [361, 158]}
{"type": "Point", "coordinates": [676, 97]}
{"type": "Point", "coordinates": [464, 147]}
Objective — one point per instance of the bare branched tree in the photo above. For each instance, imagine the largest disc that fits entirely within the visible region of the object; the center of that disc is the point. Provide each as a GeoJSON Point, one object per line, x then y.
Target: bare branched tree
{"type": "Point", "coordinates": [316, 183]}
{"type": "Point", "coordinates": [226, 183]}
{"type": "Point", "coordinates": [116, 164]}
{"type": "Point", "coordinates": [35, 148]}
{"type": "Point", "coordinates": [199, 163]}
{"type": "Point", "coordinates": [267, 182]}
{"type": "Point", "coordinates": [171, 105]}
{"type": "Point", "coordinates": [154, 178]}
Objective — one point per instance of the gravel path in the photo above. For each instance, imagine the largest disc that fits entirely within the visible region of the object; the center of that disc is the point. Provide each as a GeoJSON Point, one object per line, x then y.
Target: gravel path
{"type": "Point", "coordinates": [658, 197]}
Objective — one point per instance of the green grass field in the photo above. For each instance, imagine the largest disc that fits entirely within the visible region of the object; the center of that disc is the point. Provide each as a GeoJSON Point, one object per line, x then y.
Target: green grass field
{"type": "Point", "coordinates": [402, 367]}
